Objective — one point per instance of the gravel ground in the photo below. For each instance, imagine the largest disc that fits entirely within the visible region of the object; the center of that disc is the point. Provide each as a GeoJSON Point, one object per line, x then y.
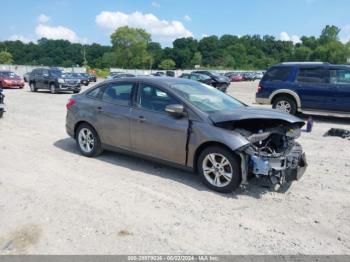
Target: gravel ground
{"type": "Point", "coordinates": [54, 201]}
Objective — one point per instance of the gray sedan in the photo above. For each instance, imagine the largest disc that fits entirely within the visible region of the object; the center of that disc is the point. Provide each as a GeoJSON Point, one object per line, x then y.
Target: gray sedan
{"type": "Point", "coordinates": [190, 125]}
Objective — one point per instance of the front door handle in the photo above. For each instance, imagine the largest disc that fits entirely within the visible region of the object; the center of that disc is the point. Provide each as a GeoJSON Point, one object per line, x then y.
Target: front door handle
{"type": "Point", "coordinates": [142, 119]}
{"type": "Point", "coordinates": [99, 109]}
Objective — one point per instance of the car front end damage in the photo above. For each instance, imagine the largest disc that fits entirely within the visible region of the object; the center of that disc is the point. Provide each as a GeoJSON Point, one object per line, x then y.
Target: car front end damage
{"type": "Point", "coordinates": [273, 155]}
{"type": "Point", "coordinates": [272, 152]}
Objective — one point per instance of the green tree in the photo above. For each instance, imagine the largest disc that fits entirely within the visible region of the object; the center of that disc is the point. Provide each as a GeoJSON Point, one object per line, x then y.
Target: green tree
{"type": "Point", "coordinates": [5, 57]}
{"type": "Point", "coordinates": [196, 59]}
{"type": "Point", "coordinates": [329, 33]}
{"type": "Point", "coordinates": [302, 53]}
{"type": "Point", "coordinates": [130, 46]}
{"type": "Point", "coordinates": [167, 64]}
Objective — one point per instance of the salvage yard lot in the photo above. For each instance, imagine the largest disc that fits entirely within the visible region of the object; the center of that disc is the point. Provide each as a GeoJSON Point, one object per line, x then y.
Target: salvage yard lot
{"type": "Point", "coordinates": [53, 200]}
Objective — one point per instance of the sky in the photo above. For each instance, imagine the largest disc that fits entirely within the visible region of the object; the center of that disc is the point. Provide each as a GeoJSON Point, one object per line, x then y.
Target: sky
{"type": "Point", "coordinates": [87, 21]}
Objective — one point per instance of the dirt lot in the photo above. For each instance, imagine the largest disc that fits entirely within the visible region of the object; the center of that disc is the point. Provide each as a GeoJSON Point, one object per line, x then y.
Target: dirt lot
{"type": "Point", "coordinates": [54, 201]}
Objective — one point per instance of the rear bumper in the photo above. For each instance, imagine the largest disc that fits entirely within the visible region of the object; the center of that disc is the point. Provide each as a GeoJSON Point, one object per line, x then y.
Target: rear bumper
{"type": "Point", "coordinates": [262, 101]}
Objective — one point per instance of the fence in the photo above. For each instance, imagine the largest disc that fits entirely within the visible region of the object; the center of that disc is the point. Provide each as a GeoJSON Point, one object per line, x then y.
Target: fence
{"type": "Point", "coordinates": [22, 69]}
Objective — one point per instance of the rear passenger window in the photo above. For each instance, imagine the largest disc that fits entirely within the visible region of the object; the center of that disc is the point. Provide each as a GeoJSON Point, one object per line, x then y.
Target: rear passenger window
{"type": "Point", "coordinates": [340, 77]}
{"type": "Point", "coordinates": [277, 74]}
{"type": "Point", "coordinates": [118, 94]}
{"type": "Point", "coordinates": [94, 93]}
{"type": "Point", "coordinates": [313, 75]}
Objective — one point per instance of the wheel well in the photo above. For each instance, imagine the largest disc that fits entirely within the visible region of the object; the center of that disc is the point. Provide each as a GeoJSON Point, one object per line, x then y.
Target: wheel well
{"type": "Point", "coordinates": [79, 124]}
{"type": "Point", "coordinates": [283, 94]}
{"type": "Point", "coordinates": [206, 145]}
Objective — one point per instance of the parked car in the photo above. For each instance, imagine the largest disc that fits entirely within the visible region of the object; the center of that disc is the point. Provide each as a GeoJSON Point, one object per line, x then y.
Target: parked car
{"type": "Point", "coordinates": [198, 77]}
{"type": "Point", "coordinates": [219, 81]}
{"type": "Point", "coordinates": [312, 88]}
{"type": "Point", "coordinates": [124, 75]}
{"type": "Point", "coordinates": [158, 74]}
{"type": "Point", "coordinates": [112, 74]}
{"type": "Point", "coordinates": [249, 76]}
{"type": "Point", "coordinates": [53, 80]}
{"type": "Point", "coordinates": [259, 75]}
{"type": "Point", "coordinates": [189, 125]}
{"type": "Point", "coordinates": [90, 77]}
{"type": "Point", "coordinates": [236, 77]}
{"type": "Point", "coordinates": [84, 80]}
{"type": "Point", "coordinates": [9, 79]}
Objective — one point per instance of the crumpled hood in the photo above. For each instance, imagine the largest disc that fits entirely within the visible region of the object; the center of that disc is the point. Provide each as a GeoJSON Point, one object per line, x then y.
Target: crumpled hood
{"type": "Point", "coordinates": [247, 112]}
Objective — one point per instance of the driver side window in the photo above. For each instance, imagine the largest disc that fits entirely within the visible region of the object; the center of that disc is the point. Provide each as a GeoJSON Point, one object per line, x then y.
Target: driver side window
{"type": "Point", "coordinates": [154, 99]}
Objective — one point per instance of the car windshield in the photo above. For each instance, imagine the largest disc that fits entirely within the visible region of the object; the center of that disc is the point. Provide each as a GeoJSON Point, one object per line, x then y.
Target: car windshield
{"type": "Point", "coordinates": [55, 73]}
{"type": "Point", "coordinates": [214, 74]}
{"type": "Point", "coordinates": [204, 97]}
{"type": "Point", "coordinates": [8, 74]}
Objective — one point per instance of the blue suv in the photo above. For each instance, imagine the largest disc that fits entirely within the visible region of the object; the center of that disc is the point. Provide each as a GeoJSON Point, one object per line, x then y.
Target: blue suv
{"type": "Point", "coordinates": [311, 88]}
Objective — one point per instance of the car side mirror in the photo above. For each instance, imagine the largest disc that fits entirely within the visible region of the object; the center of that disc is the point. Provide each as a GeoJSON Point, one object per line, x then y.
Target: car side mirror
{"type": "Point", "coordinates": [176, 110]}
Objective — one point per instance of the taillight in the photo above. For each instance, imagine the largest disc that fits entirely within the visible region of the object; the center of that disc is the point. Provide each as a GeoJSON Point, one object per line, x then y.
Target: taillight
{"type": "Point", "coordinates": [70, 103]}
{"type": "Point", "coordinates": [258, 90]}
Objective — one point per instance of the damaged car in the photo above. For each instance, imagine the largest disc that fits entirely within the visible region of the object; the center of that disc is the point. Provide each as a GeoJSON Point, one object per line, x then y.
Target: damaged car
{"type": "Point", "coordinates": [190, 125]}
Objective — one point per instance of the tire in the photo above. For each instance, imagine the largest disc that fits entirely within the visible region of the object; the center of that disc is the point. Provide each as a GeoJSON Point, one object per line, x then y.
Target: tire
{"type": "Point", "coordinates": [216, 177]}
{"type": "Point", "coordinates": [32, 86]}
{"type": "Point", "coordinates": [53, 89]}
{"type": "Point", "coordinates": [286, 104]}
{"type": "Point", "coordinates": [90, 145]}
{"type": "Point", "coordinates": [76, 91]}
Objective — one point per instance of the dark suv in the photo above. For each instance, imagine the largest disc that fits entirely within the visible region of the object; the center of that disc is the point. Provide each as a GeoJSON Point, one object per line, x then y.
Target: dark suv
{"type": "Point", "coordinates": [318, 88]}
{"type": "Point", "coordinates": [53, 80]}
{"type": "Point", "coordinates": [219, 81]}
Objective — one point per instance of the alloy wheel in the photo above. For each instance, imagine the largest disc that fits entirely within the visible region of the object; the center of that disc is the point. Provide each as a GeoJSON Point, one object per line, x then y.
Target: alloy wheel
{"type": "Point", "coordinates": [86, 140]}
{"type": "Point", "coordinates": [217, 170]}
{"type": "Point", "coordinates": [284, 106]}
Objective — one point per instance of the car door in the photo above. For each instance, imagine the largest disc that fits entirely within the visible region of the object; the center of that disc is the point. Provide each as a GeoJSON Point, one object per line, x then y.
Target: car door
{"type": "Point", "coordinates": [314, 89]}
{"type": "Point", "coordinates": [114, 114]}
{"type": "Point", "coordinates": [38, 78]}
{"type": "Point", "coordinates": [340, 80]}
{"type": "Point", "coordinates": [154, 132]}
{"type": "Point", "coordinates": [45, 79]}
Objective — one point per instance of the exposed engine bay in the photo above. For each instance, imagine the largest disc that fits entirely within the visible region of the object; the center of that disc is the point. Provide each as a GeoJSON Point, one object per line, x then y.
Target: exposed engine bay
{"type": "Point", "coordinates": [272, 153]}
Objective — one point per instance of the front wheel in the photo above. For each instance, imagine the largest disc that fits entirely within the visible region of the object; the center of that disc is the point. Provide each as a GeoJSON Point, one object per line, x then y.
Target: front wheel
{"type": "Point", "coordinates": [53, 89]}
{"type": "Point", "coordinates": [32, 87]}
{"type": "Point", "coordinates": [88, 141]}
{"type": "Point", "coordinates": [219, 169]}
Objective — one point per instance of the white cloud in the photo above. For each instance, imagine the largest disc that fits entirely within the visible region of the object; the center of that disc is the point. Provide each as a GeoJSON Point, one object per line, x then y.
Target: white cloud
{"type": "Point", "coordinates": [284, 36]}
{"type": "Point", "coordinates": [187, 18]}
{"type": "Point", "coordinates": [345, 34]}
{"type": "Point", "coordinates": [161, 30]}
{"type": "Point", "coordinates": [20, 38]}
{"type": "Point", "coordinates": [58, 32]}
{"type": "Point", "coordinates": [155, 4]}
{"type": "Point", "coordinates": [43, 18]}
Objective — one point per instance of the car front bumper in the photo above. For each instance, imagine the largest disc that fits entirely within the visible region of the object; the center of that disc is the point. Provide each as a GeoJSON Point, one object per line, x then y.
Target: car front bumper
{"type": "Point", "coordinates": [13, 85]}
{"type": "Point", "coordinates": [67, 87]}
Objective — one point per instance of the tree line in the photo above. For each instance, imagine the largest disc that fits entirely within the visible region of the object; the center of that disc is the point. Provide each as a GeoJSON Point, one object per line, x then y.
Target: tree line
{"type": "Point", "coordinates": [133, 48]}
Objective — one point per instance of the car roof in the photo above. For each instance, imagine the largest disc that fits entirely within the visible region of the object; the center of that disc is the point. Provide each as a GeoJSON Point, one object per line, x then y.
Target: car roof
{"type": "Point", "coordinates": [164, 81]}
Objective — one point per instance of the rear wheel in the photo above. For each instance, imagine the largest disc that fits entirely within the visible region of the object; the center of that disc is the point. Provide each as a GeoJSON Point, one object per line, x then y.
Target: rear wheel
{"type": "Point", "coordinates": [32, 87]}
{"type": "Point", "coordinates": [219, 169]}
{"type": "Point", "coordinates": [286, 104]}
{"type": "Point", "coordinates": [88, 141]}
